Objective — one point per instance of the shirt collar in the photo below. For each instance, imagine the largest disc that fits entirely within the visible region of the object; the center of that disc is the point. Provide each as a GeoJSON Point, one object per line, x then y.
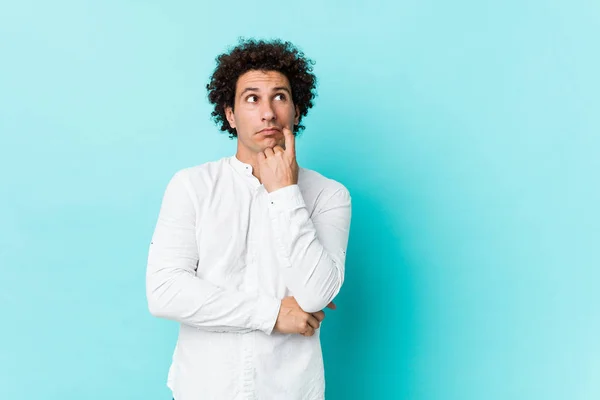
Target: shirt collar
{"type": "Point", "coordinates": [245, 170]}
{"type": "Point", "coordinates": [241, 167]}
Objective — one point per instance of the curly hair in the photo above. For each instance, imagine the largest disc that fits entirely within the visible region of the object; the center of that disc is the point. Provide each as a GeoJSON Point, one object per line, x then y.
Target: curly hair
{"type": "Point", "coordinates": [261, 55]}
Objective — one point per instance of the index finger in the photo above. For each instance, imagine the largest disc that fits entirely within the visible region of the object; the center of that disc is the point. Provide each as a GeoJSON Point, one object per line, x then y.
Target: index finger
{"type": "Point", "coordinates": [313, 322]}
{"type": "Point", "coordinates": [290, 142]}
{"type": "Point", "coordinates": [319, 315]}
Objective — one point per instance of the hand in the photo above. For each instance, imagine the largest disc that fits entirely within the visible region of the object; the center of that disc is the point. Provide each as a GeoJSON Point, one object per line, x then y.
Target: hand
{"type": "Point", "coordinates": [292, 319]}
{"type": "Point", "coordinates": [320, 315]}
{"type": "Point", "coordinates": [278, 167]}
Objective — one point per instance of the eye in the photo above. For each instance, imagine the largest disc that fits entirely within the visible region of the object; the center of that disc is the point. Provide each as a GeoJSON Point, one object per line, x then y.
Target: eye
{"type": "Point", "coordinates": [252, 96]}
{"type": "Point", "coordinates": [281, 96]}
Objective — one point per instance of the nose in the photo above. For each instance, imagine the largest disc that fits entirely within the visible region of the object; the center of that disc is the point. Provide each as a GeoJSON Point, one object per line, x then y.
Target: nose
{"type": "Point", "coordinates": [267, 112]}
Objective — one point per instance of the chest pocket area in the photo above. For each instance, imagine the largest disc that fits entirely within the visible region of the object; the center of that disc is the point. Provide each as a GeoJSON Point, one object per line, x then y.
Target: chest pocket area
{"type": "Point", "coordinates": [221, 251]}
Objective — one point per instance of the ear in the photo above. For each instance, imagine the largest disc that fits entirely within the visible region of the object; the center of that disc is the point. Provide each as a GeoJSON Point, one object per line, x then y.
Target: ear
{"type": "Point", "coordinates": [230, 116]}
{"type": "Point", "coordinates": [297, 117]}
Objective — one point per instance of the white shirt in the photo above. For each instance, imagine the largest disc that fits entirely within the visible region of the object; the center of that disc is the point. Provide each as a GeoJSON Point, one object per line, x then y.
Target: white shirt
{"type": "Point", "coordinates": [223, 255]}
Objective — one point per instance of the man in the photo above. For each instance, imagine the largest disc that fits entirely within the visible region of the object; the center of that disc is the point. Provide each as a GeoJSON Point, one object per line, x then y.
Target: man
{"type": "Point", "coordinates": [248, 250]}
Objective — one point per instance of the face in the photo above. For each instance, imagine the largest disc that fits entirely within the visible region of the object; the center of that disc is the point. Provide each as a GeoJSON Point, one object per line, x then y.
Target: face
{"type": "Point", "coordinates": [263, 107]}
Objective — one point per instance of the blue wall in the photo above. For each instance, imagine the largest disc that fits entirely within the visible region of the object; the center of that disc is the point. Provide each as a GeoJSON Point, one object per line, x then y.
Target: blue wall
{"type": "Point", "coordinates": [467, 132]}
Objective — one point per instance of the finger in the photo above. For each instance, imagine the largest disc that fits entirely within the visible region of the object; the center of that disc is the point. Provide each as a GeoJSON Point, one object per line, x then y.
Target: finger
{"type": "Point", "coordinates": [261, 156]}
{"type": "Point", "coordinates": [268, 152]}
{"type": "Point", "coordinates": [319, 315]}
{"type": "Point", "coordinates": [312, 321]}
{"type": "Point", "coordinates": [331, 305]}
{"type": "Point", "coordinates": [308, 332]}
{"type": "Point", "coordinates": [278, 149]}
{"type": "Point", "coordinates": [290, 142]}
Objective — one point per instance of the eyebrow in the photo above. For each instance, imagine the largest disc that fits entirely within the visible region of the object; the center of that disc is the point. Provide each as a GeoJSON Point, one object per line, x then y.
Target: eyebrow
{"type": "Point", "coordinates": [275, 89]}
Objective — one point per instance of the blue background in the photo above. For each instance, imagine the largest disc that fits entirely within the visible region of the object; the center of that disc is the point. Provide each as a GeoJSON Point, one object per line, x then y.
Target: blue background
{"type": "Point", "coordinates": [468, 133]}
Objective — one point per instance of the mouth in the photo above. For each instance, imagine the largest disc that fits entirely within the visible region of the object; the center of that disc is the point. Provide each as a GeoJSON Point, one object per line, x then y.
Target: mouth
{"type": "Point", "coordinates": [270, 131]}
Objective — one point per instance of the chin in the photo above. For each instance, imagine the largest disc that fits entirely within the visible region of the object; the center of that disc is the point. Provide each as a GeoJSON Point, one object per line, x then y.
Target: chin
{"type": "Point", "coordinates": [269, 143]}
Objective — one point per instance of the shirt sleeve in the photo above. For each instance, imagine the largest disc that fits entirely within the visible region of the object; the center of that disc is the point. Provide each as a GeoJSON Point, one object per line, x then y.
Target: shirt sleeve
{"type": "Point", "coordinates": [312, 250]}
{"type": "Point", "coordinates": [174, 291]}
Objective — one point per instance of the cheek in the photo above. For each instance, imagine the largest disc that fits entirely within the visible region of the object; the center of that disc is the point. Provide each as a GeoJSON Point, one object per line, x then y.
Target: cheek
{"type": "Point", "coordinates": [286, 112]}
{"type": "Point", "coordinates": [244, 116]}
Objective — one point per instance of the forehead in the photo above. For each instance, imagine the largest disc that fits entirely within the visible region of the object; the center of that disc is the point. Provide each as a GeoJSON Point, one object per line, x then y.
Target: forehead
{"type": "Point", "coordinates": [261, 80]}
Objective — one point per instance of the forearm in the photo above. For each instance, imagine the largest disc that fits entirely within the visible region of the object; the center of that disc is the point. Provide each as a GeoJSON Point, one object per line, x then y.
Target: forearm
{"type": "Point", "coordinates": [181, 296]}
{"type": "Point", "coordinates": [312, 251]}
{"type": "Point", "coordinates": [174, 291]}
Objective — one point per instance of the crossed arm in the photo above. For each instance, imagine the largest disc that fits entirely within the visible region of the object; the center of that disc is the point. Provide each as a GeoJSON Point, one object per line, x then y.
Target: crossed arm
{"type": "Point", "coordinates": [311, 251]}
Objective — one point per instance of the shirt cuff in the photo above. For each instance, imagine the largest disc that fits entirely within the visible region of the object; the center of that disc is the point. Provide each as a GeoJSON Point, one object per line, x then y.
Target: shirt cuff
{"type": "Point", "coordinates": [266, 313]}
{"type": "Point", "coordinates": [287, 198]}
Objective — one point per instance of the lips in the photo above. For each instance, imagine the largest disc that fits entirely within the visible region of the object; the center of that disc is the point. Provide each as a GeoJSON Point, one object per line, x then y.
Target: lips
{"type": "Point", "coordinates": [270, 131]}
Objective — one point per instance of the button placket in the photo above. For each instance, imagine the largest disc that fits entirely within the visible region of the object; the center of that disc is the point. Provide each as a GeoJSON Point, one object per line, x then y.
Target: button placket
{"type": "Point", "coordinates": [251, 269]}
